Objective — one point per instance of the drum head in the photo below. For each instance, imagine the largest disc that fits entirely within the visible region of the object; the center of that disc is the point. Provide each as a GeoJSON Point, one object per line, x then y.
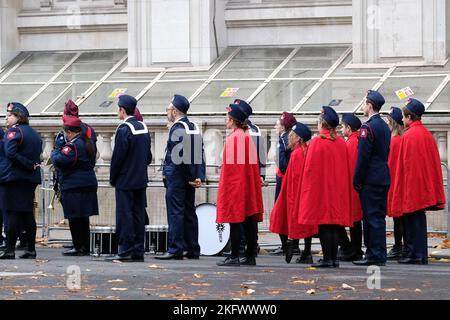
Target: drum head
{"type": "Point", "coordinates": [212, 237]}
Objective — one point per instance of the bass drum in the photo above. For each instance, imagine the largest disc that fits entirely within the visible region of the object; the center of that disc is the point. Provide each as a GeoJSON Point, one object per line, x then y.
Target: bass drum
{"type": "Point", "coordinates": [212, 236]}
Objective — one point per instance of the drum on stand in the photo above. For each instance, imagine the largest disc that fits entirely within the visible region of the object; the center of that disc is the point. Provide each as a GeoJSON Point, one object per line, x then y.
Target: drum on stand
{"type": "Point", "coordinates": [103, 241]}
{"type": "Point", "coordinates": [156, 239]}
{"type": "Point", "coordinates": [212, 236]}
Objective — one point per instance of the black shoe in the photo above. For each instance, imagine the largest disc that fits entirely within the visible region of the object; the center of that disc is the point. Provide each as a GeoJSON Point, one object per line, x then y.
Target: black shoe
{"type": "Point", "coordinates": [5, 255]}
{"type": "Point", "coordinates": [126, 258]}
{"type": "Point", "coordinates": [75, 252]}
{"type": "Point", "coordinates": [228, 253]}
{"type": "Point", "coordinates": [192, 256]}
{"type": "Point", "coordinates": [365, 262]}
{"type": "Point", "coordinates": [169, 256]}
{"type": "Point", "coordinates": [325, 264]}
{"type": "Point", "coordinates": [413, 261]}
{"type": "Point", "coordinates": [395, 253]}
{"type": "Point", "coordinates": [28, 255]}
{"type": "Point", "coordinates": [305, 259]}
{"type": "Point", "coordinates": [248, 261]}
{"type": "Point", "coordinates": [229, 262]}
{"type": "Point", "coordinates": [289, 250]}
{"type": "Point", "coordinates": [138, 258]}
{"type": "Point", "coordinates": [277, 252]}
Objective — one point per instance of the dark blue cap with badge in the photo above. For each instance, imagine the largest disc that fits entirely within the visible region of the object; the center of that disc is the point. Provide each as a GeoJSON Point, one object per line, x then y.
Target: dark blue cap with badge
{"type": "Point", "coordinates": [235, 111]}
{"type": "Point", "coordinates": [244, 106]}
{"type": "Point", "coordinates": [181, 103]}
{"type": "Point", "coordinates": [396, 115]}
{"type": "Point", "coordinates": [416, 107]}
{"type": "Point", "coordinates": [302, 131]}
{"type": "Point", "coordinates": [128, 103]}
{"type": "Point", "coordinates": [330, 116]}
{"type": "Point", "coordinates": [375, 98]}
{"type": "Point", "coordinates": [351, 120]}
{"type": "Point", "coordinates": [17, 107]}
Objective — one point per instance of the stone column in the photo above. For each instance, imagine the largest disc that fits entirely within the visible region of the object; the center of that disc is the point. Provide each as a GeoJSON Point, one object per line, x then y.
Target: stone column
{"type": "Point", "coordinates": [48, 141]}
{"type": "Point", "coordinates": [271, 170]}
{"type": "Point", "coordinates": [167, 32]}
{"type": "Point", "coordinates": [9, 35]}
{"type": "Point", "coordinates": [379, 31]}
{"type": "Point", "coordinates": [442, 145]}
{"type": "Point", "coordinates": [106, 149]}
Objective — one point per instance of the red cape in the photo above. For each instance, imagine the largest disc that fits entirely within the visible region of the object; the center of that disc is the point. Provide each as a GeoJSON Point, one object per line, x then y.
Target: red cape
{"type": "Point", "coordinates": [355, 202]}
{"type": "Point", "coordinates": [325, 191]}
{"type": "Point", "coordinates": [418, 180]}
{"type": "Point", "coordinates": [239, 195]}
{"type": "Point", "coordinates": [394, 152]}
{"type": "Point", "coordinates": [283, 218]}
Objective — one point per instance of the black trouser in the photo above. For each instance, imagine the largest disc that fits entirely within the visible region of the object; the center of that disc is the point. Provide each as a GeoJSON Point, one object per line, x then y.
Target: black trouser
{"type": "Point", "coordinates": [329, 240]}
{"type": "Point", "coordinates": [18, 219]}
{"type": "Point", "coordinates": [416, 234]}
{"type": "Point", "coordinates": [306, 250]}
{"type": "Point", "coordinates": [243, 240]}
{"type": "Point", "coordinates": [79, 228]}
{"type": "Point", "coordinates": [355, 245]}
{"type": "Point", "coordinates": [250, 229]}
{"type": "Point", "coordinates": [398, 232]}
{"type": "Point", "coordinates": [283, 239]}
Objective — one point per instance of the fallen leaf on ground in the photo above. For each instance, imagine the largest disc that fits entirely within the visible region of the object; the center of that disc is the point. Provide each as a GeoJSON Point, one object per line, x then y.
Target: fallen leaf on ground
{"type": "Point", "coordinates": [244, 286]}
{"type": "Point", "coordinates": [337, 297]}
{"type": "Point", "coordinates": [41, 261]}
{"type": "Point", "coordinates": [444, 245]}
{"type": "Point", "coordinates": [330, 289]}
{"type": "Point", "coordinates": [32, 291]}
{"type": "Point", "coordinates": [302, 282]}
{"type": "Point", "coordinates": [250, 291]}
{"type": "Point", "coordinates": [198, 275]}
{"type": "Point", "coordinates": [311, 291]}
{"type": "Point", "coordinates": [202, 284]}
{"type": "Point", "coordinates": [119, 289]}
{"type": "Point", "coordinates": [235, 298]}
{"type": "Point", "coordinates": [274, 292]}
{"type": "Point", "coordinates": [117, 261]}
{"type": "Point", "coordinates": [347, 287]}
{"type": "Point", "coordinates": [220, 273]}
{"type": "Point", "coordinates": [154, 266]}
{"type": "Point", "coordinates": [311, 268]}
{"type": "Point", "coordinates": [267, 271]}
{"type": "Point", "coordinates": [55, 245]}
{"type": "Point", "coordinates": [418, 290]}
{"type": "Point", "coordinates": [115, 280]}
{"type": "Point", "coordinates": [390, 289]}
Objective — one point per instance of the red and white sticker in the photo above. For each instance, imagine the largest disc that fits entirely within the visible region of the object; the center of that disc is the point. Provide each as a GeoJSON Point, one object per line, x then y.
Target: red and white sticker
{"type": "Point", "coordinates": [11, 135]}
{"type": "Point", "coordinates": [363, 133]}
{"type": "Point", "coordinates": [66, 150]}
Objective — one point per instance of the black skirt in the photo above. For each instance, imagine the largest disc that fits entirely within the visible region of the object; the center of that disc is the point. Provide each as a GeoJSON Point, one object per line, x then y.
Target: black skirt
{"type": "Point", "coordinates": [79, 203]}
{"type": "Point", "coordinates": [19, 196]}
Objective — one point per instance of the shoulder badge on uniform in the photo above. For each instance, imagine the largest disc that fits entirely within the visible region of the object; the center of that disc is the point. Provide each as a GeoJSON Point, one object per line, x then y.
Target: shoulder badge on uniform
{"type": "Point", "coordinates": [363, 133]}
{"type": "Point", "coordinates": [66, 150]}
{"type": "Point", "coordinates": [11, 135]}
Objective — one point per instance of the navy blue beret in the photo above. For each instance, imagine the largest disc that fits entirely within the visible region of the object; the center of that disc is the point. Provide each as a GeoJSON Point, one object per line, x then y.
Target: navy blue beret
{"type": "Point", "coordinates": [302, 131]}
{"type": "Point", "coordinates": [351, 120]}
{"type": "Point", "coordinates": [235, 111]}
{"type": "Point", "coordinates": [375, 97]}
{"type": "Point", "coordinates": [244, 106]}
{"type": "Point", "coordinates": [416, 107]}
{"type": "Point", "coordinates": [181, 103]}
{"type": "Point", "coordinates": [128, 103]}
{"type": "Point", "coordinates": [396, 115]}
{"type": "Point", "coordinates": [17, 107]}
{"type": "Point", "coordinates": [330, 116]}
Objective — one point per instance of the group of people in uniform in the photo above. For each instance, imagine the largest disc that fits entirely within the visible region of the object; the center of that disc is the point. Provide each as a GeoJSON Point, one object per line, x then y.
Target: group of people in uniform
{"type": "Point", "coordinates": [323, 183]}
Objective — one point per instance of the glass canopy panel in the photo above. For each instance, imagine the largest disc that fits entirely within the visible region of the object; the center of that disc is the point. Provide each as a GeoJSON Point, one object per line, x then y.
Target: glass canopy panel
{"type": "Point", "coordinates": [200, 75]}
{"type": "Point", "coordinates": [311, 62]}
{"type": "Point", "coordinates": [423, 70]}
{"type": "Point", "coordinates": [351, 93]}
{"type": "Point", "coordinates": [442, 102]}
{"type": "Point", "coordinates": [118, 75]}
{"type": "Point", "coordinates": [91, 66]}
{"type": "Point", "coordinates": [158, 98]}
{"type": "Point", "coordinates": [342, 71]}
{"type": "Point", "coordinates": [15, 93]}
{"type": "Point", "coordinates": [219, 94]}
{"type": "Point", "coordinates": [104, 99]}
{"type": "Point", "coordinates": [40, 67]}
{"type": "Point", "coordinates": [4, 70]}
{"type": "Point", "coordinates": [75, 92]}
{"type": "Point", "coordinates": [45, 97]}
{"type": "Point", "coordinates": [282, 95]}
{"type": "Point", "coordinates": [423, 88]}
{"type": "Point", "coordinates": [254, 63]}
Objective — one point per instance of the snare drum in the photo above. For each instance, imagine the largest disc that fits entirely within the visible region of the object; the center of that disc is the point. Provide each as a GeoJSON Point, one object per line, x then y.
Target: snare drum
{"type": "Point", "coordinates": [156, 238]}
{"type": "Point", "coordinates": [103, 241]}
{"type": "Point", "coordinates": [212, 236]}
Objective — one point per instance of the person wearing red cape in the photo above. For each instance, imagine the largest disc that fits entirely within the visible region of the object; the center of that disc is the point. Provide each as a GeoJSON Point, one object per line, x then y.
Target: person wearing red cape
{"type": "Point", "coordinates": [324, 199]}
{"type": "Point", "coordinates": [239, 198]}
{"type": "Point", "coordinates": [419, 184]}
{"type": "Point", "coordinates": [283, 127]}
{"type": "Point", "coordinates": [283, 218]}
{"type": "Point", "coordinates": [395, 123]}
{"type": "Point", "coordinates": [352, 250]}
